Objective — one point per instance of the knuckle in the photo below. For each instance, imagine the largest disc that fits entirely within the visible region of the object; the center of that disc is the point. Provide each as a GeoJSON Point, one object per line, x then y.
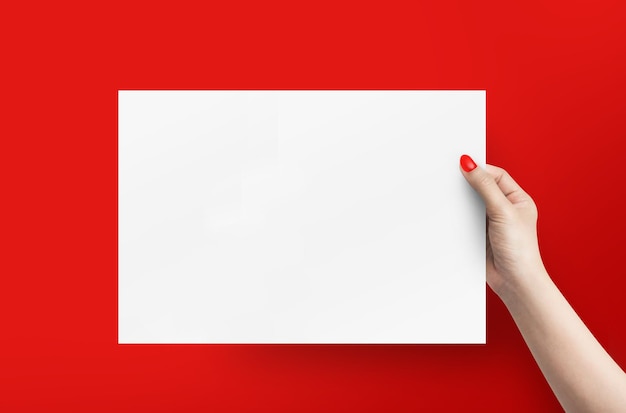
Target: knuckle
{"type": "Point", "coordinates": [506, 175]}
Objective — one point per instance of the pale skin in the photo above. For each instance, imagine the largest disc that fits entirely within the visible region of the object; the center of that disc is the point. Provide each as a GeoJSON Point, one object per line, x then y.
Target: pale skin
{"type": "Point", "coordinates": [581, 373]}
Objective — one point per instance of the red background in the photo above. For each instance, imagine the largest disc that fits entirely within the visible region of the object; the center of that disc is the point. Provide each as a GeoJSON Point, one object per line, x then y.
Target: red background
{"type": "Point", "coordinates": [555, 76]}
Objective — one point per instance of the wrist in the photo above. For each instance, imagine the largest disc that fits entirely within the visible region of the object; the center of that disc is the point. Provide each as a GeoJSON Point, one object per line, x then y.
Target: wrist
{"type": "Point", "coordinates": [519, 287]}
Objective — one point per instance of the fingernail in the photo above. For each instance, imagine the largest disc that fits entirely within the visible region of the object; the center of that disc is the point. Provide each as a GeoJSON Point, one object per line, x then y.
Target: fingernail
{"type": "Point", "coordinates": [467, 163]}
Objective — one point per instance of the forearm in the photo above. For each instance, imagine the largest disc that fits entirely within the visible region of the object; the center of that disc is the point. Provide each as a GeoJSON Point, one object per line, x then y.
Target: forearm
{"type": "Point", "coordinates": [581, 373]}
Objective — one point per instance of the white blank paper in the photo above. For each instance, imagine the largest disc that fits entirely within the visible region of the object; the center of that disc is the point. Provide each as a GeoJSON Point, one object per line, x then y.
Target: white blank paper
{"type": "Point", "coordinates": [300, 217]}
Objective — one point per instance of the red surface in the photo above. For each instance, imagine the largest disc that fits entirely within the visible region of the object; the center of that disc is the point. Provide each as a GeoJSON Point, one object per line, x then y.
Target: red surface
{"type": "Point", "coordinates": [555, 75]}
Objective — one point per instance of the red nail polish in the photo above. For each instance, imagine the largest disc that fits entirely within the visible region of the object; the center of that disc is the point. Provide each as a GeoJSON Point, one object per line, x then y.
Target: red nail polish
{"type": "Point", "coordinates": [467, 163]}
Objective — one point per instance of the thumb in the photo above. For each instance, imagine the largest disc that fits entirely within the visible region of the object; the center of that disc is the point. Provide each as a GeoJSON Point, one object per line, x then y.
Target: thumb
{"type": "Point", "coordinates": [485, 184]}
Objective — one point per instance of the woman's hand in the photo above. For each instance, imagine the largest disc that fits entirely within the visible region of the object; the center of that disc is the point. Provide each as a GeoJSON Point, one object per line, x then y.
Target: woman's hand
{"type": "Point", "coordinates": [512, 247]}
{"type": "Point", "coordinates": [582, 375]}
